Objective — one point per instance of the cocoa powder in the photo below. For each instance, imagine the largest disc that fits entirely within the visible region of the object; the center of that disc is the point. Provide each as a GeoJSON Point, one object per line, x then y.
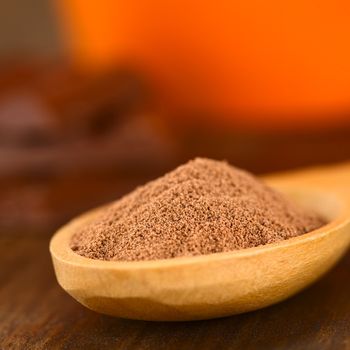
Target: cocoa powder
{"type": "Point", "coordinates": [202, 207]}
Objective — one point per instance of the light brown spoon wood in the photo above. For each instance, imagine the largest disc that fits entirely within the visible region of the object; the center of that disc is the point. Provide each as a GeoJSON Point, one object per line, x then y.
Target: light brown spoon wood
{"type": "Point", "coordinates": [219, 284]}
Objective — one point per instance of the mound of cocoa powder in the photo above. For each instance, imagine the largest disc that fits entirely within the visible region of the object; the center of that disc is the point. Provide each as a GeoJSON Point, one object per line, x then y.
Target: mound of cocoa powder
{"type": "Point", "coordinates": [202, 207]}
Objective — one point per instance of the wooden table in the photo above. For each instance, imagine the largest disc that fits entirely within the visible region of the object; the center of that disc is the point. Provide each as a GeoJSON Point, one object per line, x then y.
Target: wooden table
{"type": "Point", "coordinates": [35, 313]}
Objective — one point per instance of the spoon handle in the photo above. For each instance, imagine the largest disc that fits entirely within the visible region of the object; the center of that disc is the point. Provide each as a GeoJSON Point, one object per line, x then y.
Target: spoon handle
{"type": "Point", "coordinates": [333, 177]}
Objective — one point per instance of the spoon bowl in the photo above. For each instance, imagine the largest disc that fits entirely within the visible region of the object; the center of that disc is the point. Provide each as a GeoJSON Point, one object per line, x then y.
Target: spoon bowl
{"type": "Point", "coordinates": [220, 284]}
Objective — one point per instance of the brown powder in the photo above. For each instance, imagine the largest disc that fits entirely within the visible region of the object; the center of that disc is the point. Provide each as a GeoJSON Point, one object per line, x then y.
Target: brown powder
{"type": "Point", "coordinates": [202, 207]}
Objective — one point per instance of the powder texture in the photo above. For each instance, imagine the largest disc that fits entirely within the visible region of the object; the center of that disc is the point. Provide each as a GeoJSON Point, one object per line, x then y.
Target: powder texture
{"type": "Point", "coordinates": [202, 207]}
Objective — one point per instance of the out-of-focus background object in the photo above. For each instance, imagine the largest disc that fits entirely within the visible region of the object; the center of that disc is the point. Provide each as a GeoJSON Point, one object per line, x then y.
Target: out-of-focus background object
{"type": "Point", "coordinates": [267, 63]}
{"type": "Point", "coordinates": [100, 96]}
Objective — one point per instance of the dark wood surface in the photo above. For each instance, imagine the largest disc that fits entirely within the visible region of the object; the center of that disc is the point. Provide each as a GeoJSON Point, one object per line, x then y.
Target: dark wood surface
{"type": "Point", "coordinates": [35, 313]}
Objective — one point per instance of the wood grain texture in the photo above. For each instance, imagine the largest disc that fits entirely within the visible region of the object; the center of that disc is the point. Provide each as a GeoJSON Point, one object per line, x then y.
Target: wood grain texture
{"type": "Point", "coordinates": [36, 314]}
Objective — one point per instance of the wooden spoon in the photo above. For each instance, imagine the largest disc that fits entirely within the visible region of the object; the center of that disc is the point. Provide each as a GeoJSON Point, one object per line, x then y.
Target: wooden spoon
{"type": "Point", "coordinates": [221, 284]}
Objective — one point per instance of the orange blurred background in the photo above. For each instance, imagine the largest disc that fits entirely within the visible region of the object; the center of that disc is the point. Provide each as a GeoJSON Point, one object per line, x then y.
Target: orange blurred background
{"type": "Point", "coordinates": [256, 63]}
